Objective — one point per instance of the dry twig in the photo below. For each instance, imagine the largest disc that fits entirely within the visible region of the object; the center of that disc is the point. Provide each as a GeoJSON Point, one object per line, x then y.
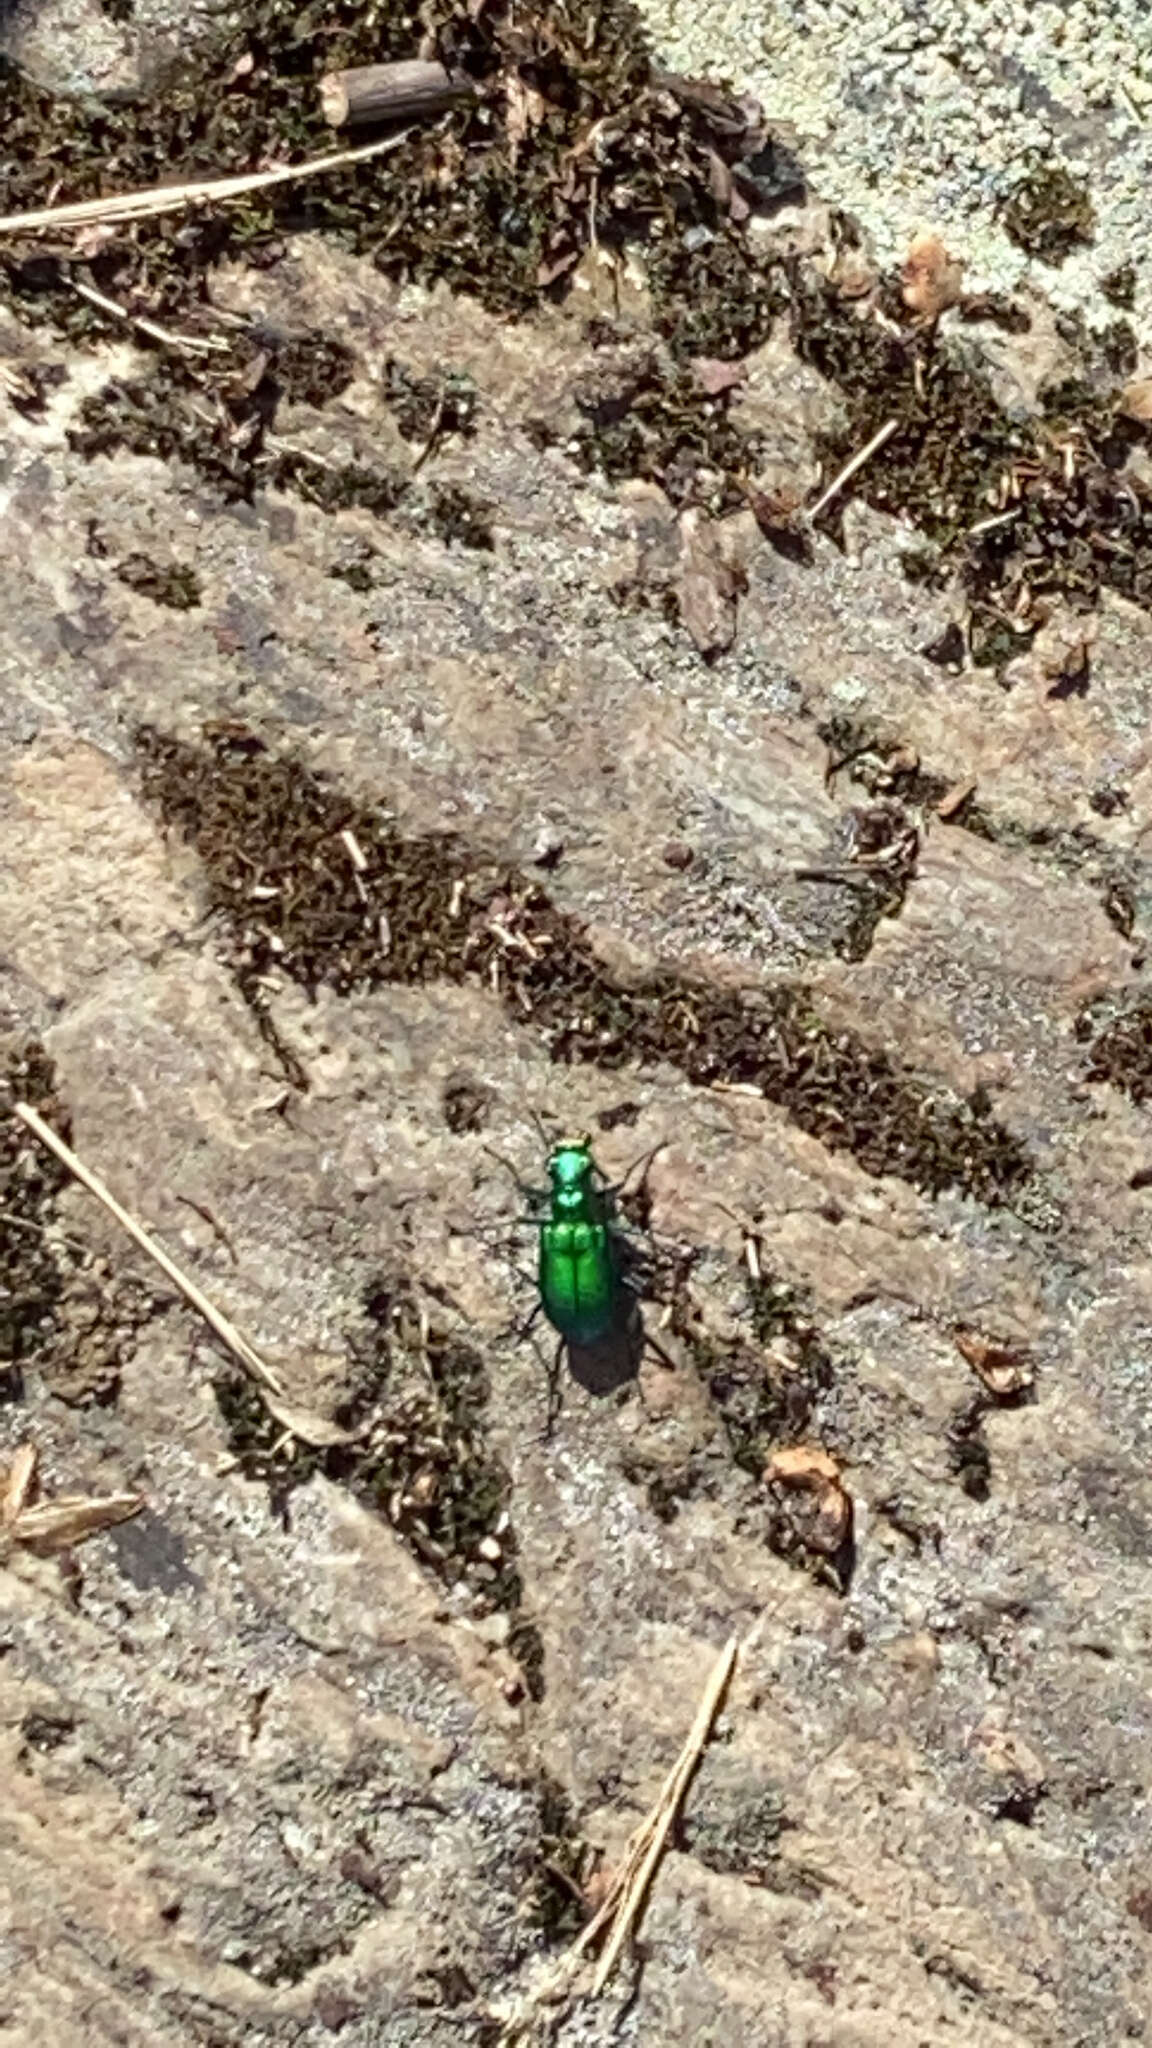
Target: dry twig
{"type": "Point", "coordinates": [310, 1429]}
{"type": "Point", "coordinates": [193, 344]}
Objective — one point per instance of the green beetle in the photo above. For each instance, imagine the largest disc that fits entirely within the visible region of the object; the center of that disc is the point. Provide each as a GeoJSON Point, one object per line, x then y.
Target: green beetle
{"type": "Point", "coordinates": [580, 1270]}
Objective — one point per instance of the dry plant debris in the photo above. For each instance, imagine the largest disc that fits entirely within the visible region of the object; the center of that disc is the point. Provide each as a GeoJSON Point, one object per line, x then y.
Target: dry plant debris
{"type": "Point", "coordinates": [1004, 1368]}
{"type": "Point", "coordinates": [31, 1280]}
{"type": "Point", "coordinates": [806, 1480]}
{"type": "Point", "coordinates": [931, 280]}
{"type": "Point", "coordinates": [47, 1527]}
{"type": "Point", "coordinates": [1121, 1052]}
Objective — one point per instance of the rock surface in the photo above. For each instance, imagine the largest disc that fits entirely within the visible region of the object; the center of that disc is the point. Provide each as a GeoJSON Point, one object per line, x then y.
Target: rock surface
{"type": "Point", "coordinates": [270, 1777]}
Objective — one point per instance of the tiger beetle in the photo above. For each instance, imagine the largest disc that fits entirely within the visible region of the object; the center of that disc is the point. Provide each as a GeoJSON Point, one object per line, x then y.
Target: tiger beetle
{"type": "Point", "coordinates": [583, 1274]}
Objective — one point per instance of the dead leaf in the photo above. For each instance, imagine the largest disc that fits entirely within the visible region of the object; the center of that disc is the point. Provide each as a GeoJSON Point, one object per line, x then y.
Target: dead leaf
{"type": "Point", "coordinates": [954, 799]}
{"type": "Point", "coordinates": [525, 108]}
{"type": "Point", "coordinates": [16, 385]}
{"type": "Point", "coordinates": [89, 241]}
{"type": "Point", "coordinates": [1004, 1368]}
{"type": "Point", "coordinates": [553, 267]}
{"type": "Point", "coordinates": [1136, 399]}
{"type": "Point", "coordinates": [709, 585]}
{"type": "Point", "coordinates": [58, 1524]}
{"type": "Point", "coordinates": [930, 279]}
{"type": "Point", "coordinates": [715, 377]}
{"type": "Point", "coordinates": [18, 1485]}
{"type": "Point", "coordinates": [314, 1430]}
{"type": "Point", "coordinates": [853, 276]}
{"type": "Point", "coordinates": [719, 180]}
{"type": "Point", "coordinates": [825, 1516]}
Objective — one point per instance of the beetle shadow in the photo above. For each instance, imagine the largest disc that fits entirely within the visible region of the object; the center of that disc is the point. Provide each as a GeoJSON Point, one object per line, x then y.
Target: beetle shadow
{"type": "Point", "coordinates": [605, 1367]}
{"type": "Point", "coordinates": [609, 1364]}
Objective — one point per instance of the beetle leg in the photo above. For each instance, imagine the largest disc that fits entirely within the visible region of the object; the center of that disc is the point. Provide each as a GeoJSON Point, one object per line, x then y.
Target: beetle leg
{"type": "Point", "coordinates": [524, 1187]}
{"type": "Point", "coordinates": [650, 1344]}
{"type": "Point", "coordinates": [525, 1328]}
{"type": "Point", "coordinates": [645, 1160]}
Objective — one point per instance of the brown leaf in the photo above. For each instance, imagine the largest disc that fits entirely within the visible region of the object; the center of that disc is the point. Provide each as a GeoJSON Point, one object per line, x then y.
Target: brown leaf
{"type": "Point", "coordinates": [553, 267]}
{"type": "Point", "coordinates": [1004, 1368]}
{"type": "Point", "coordinates": [525, 108]}
{"type": "Point", "coordinates": [954, 799]}
{"type": "Point", "coordinates": [19, 1485]}
{"type": "Point", "coordinates": [719, 180]}
{"type": "Point", "coordinates": [58, 1524]}
{"type": "Point", "coordinates": [930, 279]}
{"type": "Point", "coordinates": [826, 1515]}
{"type": "Point", "coordinates": [853, 275]}
{"type": "Point", "coordinates": [715, 377]}
{"type": "Point", "coordinates": [1136, 399]}
{"type": "Point", "coordinates": [308, 1428]}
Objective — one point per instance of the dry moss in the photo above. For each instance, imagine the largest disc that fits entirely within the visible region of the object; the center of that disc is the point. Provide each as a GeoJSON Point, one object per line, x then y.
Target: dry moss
{"type": "Point", "coordinates": [31, 1180]}
{"type": "Point", "coordinates": [1048, 213]}
{"type": "Point", "coordinates": [644, 414]}
{"type": "Point", "coordinates": [420, 1460]}
{"type": "Point", "coordinates": [174, 584]}
{"type": "Point", "coordinates": [1121, 1051]}
{"type": "Point", "coordinates": [268, 833]}
{"type": "Point", "coordinates": [67, 1313]}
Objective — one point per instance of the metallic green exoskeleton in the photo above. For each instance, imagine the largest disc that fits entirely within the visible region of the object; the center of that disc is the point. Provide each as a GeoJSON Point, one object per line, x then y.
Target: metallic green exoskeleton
{"type": "Point", "coordinates": [581, 1282]}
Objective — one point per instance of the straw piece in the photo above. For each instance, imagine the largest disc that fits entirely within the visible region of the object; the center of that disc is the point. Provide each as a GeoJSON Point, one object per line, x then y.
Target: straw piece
{"type": "Point", "coordinates": [864, 455]}
{"type": "Point", "coordinates": [58, 1524]}
{"type": "Point", "coordinates": [298, 1422]}
{"type": "Point", "coordinates": [195, 344]}
{"type": "Point", "coordinates": [665, 1811]}
{"type": "Point", "coordinates": [18, 1485]}
{"type": "Point", "coordinates": [54, 1525]}
{"type": "Point", "coordinates": [120, 206]}
{"type": "Point", "coordinates": [226, 1331]}
{"type": "Point", "coordinates": [623, 1903]}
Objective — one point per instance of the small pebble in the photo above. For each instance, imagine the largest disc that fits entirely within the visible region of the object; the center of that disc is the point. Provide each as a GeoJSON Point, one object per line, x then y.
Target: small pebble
{"type": "Point", "coordinates": [677, 855]}
{"type": "Point", "coordinates": [548, 847]}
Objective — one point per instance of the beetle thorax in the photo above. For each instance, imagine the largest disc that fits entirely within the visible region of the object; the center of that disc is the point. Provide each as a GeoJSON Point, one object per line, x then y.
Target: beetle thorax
{"type": "Point", "coordinates": [570, 1171]}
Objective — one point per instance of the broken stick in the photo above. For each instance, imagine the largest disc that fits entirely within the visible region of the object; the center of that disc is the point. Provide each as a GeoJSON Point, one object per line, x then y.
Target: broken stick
{"type": "Point", "coordinates": [410, 90]}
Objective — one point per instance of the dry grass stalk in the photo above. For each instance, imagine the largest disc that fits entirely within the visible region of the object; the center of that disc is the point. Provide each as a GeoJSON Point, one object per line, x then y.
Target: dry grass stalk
{"type": "Point", "coordinates": [642, 1869]}
{"type": "Point", "coordinates": [298, 1422]}
{"type": "Point", "coordinates": [125, 206]}
{"type": "Point", "coordinates": [193, 344]}
{"type": "Point", "coordinates": [623, 1903]}
{"type": "Point", "coordinates": [849, 470]}
{"type": "Point", "coordinates": [55, 1525]}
